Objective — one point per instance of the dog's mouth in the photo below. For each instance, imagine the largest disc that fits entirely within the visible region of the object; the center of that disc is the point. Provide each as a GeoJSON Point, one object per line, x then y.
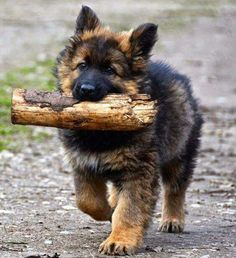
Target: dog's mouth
{"type": "Point", "coordinates": [93, 96]}
{"type": "Point", "coordinates": [91, 93]}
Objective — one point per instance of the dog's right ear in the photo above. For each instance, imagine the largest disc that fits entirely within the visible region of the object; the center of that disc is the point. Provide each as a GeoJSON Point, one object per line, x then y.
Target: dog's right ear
{"type": "Point", "coordinates": [87, 20]}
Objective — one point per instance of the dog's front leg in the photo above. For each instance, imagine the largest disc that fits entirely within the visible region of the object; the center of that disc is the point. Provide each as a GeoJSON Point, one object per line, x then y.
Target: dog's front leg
{"type": "Point", "coordinates": [136, 200]}
{"type": "Point", "coordinates": [91, 197]}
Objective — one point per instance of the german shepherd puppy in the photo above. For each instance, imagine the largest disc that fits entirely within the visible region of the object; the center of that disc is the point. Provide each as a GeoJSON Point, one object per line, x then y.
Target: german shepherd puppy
{"type": "Point", "coordinates": [98, 62]}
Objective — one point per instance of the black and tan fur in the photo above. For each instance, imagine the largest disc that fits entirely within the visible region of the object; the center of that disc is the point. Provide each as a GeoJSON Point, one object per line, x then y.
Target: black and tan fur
{"type": "Point", "coordinates": [133, 162]}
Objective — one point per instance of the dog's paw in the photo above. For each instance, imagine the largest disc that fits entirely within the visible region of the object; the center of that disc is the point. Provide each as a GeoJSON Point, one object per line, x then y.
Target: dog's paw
{"type": "Point", "coordinates": [171, 226]}
{"type": "Point", "coordinates": [110, 247]}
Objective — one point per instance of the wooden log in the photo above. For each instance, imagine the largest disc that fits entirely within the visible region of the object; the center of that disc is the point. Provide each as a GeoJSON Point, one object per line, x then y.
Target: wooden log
{"type": "Point", "coordinates": [115, 112]}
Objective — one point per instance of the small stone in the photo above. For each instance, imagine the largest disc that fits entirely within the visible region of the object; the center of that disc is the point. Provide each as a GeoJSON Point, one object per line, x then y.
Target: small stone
{"type": "Point", "coordinates": [6, 212]}
{"type": "Point", "coordinates": [150, 249]}
{"type": "Point", "coordinates": [195, 205]}
{"type": "Point", "coordinates": [65, 232]}
{"type": "Point", "coordinates": [68, 207]}
{"type": "Point", "coordinates": [48, 242]}
{"type": "Point", "coordinates": [159, 249]}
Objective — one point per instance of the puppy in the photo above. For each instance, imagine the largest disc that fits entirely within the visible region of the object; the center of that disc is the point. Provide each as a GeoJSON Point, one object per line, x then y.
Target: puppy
{"type": "Point", "coordinates": [97, 62]}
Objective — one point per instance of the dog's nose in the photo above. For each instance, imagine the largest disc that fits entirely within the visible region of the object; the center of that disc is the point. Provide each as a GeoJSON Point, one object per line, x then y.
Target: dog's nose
{"type": "Point", "coordinates": [87, 89]}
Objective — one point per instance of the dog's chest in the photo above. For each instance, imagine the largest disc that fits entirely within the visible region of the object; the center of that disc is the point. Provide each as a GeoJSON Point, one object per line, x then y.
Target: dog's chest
{"type": "Point", "coordinates": [99, 163]}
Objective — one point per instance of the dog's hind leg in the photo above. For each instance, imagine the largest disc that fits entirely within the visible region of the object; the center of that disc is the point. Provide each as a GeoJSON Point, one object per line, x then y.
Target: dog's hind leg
{"type": "Point", "coordinates": [175, 180]}
{"type": "Point", "coordinates": [176, 176]}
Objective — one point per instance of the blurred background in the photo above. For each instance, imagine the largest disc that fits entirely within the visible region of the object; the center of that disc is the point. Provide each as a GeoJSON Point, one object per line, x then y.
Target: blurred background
{"type": "Point", "coordinates": [196, 37]}
{"type": "Point", "coordinates": [37, 211]}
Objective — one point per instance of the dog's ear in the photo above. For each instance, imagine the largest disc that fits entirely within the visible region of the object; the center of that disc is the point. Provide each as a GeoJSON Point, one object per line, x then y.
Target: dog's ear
{"type": "Point", "coordinates": [143, 39]}
{"type": "Point", "coordinates": [86, 20]}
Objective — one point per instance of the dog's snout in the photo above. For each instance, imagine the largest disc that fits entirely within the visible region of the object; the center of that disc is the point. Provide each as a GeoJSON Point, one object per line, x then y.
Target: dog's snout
{"type": "Point", "coordinates": [84, 91]}
{"type": "Point", "coordinates": [87, 89]}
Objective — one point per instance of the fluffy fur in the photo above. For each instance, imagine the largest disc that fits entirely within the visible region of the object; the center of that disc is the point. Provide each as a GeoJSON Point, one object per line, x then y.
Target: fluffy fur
{"type": "Point", "coordinates": [97, 62]}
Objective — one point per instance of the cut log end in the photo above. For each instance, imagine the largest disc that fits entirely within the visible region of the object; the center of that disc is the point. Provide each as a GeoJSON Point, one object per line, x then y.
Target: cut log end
{"type": "Point", "coordinates": [115, 112]}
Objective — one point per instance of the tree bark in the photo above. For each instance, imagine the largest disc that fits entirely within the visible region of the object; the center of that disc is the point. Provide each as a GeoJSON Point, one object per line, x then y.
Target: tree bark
{"type": "Point", "coordinates": [115, 112]}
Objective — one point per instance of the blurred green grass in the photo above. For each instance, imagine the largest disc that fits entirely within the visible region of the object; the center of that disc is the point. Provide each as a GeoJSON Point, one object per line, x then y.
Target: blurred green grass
{"type": "Point", "coordinates": [37, 76]}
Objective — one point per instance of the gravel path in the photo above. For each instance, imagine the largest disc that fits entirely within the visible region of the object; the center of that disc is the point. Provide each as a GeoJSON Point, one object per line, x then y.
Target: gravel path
{"type": "Point", "coordinates": [37, 208]}
{"type": "Point", "coordinates": [38, 213]}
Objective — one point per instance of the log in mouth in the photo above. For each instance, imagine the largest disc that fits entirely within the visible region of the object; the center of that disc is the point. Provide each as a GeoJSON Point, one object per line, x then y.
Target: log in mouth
{"type": "Point", "coordinates": [117, 112]}
{"type": "Point", "coordinates": [55, 100]}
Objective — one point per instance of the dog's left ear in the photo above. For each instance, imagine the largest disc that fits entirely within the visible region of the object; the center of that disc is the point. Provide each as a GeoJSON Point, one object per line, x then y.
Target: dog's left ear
{"type": "Point", "coordinates": [143, 39]}
{"type": "Point", "coordinates": [87, 20]}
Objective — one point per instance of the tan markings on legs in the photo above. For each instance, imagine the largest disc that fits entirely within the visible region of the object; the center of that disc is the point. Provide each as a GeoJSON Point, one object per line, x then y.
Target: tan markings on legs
{"type": "Point", "coordinates": [126, 235]}
{"type": "Point", "coordinates": [172, 219]}
{"type": "Point", "coordinates": [131, 216]}
{"type": "Point", "coordinates": [123, 240]}
{"type": "Point", "coordinates": [113, 197]}
{"type": "Point", "coordinates": [91, 198]}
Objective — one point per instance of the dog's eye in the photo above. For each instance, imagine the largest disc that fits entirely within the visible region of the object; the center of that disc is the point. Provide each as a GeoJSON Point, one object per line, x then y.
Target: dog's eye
{"type": "Point", "coordinates": [82, 66]}
{"type": "Point", "coordinates": [109, 70]}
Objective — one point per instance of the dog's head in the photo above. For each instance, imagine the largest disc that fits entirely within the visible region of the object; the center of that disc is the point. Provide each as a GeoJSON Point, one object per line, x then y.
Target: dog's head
{"type": "Point", "coordinates": [99, 61]}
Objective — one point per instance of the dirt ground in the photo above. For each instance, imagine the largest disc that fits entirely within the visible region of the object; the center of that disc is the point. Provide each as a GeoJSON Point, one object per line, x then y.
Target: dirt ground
{"type": "Point", "coordinates": [37, 209]}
